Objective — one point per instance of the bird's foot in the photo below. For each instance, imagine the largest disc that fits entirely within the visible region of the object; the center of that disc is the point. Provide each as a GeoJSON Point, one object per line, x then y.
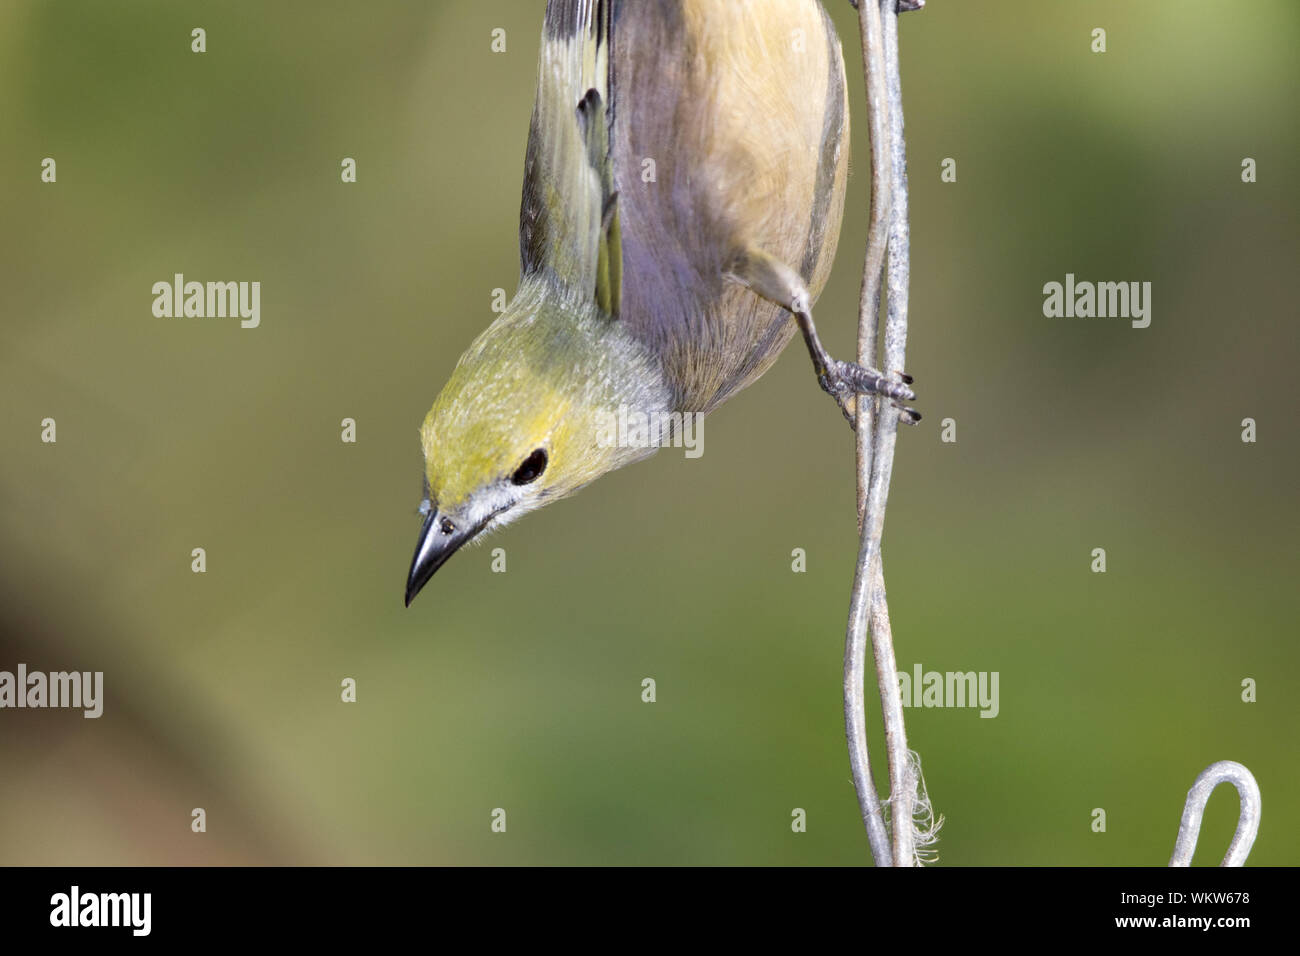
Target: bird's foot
{"type": "Point", "coordinates": [903, 6]}
{"type": "Point", "coordinates": [845, 381]}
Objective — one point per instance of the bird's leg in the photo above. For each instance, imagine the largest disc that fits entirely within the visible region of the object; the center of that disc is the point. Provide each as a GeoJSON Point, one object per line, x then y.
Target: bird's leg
{"type": "Point", "coordinates": [843, 381]}
{"type": "Point", "coordinates": [904, 6]}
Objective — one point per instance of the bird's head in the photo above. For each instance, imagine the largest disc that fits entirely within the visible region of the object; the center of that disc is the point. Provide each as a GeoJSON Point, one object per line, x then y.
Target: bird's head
{"type": "Point", "coordinates": [523, 422]}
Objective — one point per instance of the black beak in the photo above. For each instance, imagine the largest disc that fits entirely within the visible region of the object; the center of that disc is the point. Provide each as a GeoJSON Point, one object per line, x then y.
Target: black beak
{"type": "Point", "coordinates": [439, 540]}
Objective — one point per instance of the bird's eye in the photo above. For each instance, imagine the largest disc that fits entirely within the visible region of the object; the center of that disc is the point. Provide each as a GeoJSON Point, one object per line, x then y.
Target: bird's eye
{"type": "Point", "coordinates": [531, 469]}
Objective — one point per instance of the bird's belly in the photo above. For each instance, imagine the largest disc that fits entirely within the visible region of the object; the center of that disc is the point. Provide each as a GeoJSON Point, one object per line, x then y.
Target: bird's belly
{"type": "Point", "coordinates": [730, 131]}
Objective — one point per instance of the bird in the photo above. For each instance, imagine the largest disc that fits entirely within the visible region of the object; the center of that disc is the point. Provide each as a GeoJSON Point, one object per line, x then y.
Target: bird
{"type": "Point", "coordinates": [683, 192]}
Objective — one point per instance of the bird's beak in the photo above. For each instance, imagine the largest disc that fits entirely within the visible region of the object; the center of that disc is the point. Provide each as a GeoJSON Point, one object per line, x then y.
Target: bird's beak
{"type": "Point", "coordinates": [432, 550]}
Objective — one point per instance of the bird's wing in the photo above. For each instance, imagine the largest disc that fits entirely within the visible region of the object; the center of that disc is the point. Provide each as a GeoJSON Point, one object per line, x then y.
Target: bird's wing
{"type": "Point", "coordinates": [568, 221]}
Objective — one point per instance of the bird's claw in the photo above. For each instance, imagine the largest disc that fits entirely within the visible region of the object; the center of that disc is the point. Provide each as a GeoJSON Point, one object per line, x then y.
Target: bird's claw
{"type": "Point", "coordinates": [845, 381]}
{"type": "Point", "coordinates": [847, 378]}
{"type": "Point", "coordinates": [903, 6]}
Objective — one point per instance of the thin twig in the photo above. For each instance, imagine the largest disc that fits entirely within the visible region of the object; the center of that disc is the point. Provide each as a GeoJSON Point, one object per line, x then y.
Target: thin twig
{"type": "Point", "coordinates": [878, 123]}
{"type": "Point", "coordinates": [876, 458]}
{"type": "Point", "coordinates": [902, 782]}
{"type": "Point", "coordinates": [855, 644]}
{"type": "Point", "coordinates": [1225, 771]}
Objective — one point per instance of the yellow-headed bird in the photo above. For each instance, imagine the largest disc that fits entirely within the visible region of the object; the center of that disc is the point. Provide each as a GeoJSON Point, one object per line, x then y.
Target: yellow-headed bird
{"type": "Point", "coordinates": [683, 190]}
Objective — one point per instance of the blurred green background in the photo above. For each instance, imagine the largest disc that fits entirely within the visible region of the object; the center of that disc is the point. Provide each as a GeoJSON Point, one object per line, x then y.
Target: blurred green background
{"type": "Point", "coordinates": [522, 690]}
